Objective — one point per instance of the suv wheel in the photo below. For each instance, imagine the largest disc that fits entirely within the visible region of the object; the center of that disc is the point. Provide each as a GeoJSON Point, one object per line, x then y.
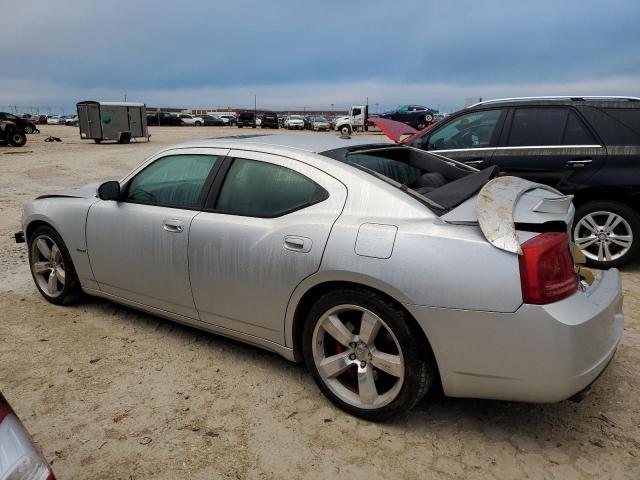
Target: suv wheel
{"type": "Point", "coordinates": [362, 352]}
{"type": "Point", "coordinates": [607, 232]}
{"type": "Point", "coordinates": [29, 129]}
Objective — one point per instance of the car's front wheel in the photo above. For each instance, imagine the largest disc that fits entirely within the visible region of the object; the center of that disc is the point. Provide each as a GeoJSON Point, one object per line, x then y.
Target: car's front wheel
{"type": "Point", "coordinates": [51, 267]}
{"type": "Point", "coordinates": [29, 129]}
{"type": "Point", "coordinates": [607, 232]}
{"type": "Point", "coordinates": [364, 355]}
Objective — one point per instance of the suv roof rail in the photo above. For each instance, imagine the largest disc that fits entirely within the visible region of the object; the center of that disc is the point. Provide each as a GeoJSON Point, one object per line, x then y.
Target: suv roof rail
{"type": "Point", "coordinates": [558, 97]}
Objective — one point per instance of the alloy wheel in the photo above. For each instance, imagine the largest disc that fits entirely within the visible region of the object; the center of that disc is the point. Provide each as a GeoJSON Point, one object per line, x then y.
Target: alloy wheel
{"type": "Point", "coordinates": [48, 266]}
{"type": "Point", "coordinates": [603, 236]}
{"type": "Point", "coordinates": [358, 357]}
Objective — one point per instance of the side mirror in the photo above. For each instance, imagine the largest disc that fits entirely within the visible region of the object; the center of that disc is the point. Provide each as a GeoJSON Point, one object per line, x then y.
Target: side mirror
{"type": "Point", "coordinates": [109, 190]}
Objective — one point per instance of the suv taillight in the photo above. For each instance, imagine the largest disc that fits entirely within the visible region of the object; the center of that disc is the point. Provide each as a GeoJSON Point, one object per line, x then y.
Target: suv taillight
{"type": "Point", "coordinates": [546, 269]}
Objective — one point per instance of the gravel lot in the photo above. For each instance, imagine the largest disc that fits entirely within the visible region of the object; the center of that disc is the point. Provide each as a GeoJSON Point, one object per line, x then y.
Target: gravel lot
{"type": "Point", "coordinates": [111, 393]}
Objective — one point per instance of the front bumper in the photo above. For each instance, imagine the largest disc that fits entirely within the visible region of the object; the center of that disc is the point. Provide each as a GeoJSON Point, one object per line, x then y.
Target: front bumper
{"type": "Point", "coordinates": [539, 353]}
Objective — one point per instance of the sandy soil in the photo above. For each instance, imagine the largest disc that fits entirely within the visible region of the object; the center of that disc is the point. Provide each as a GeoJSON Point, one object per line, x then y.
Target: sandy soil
{"type": "Point", "coordinates": [112, 393]}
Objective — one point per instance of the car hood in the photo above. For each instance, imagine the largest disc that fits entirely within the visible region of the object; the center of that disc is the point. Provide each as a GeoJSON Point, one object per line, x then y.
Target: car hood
{"type": "Point", "coordinates": [393, 129]}
{"type": "Point", "coordinates": [87, 191]}
{"type": "Point", "coordinates": [505, 203]}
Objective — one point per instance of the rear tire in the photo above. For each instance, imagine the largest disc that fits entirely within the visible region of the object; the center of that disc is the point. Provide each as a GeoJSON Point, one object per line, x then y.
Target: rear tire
{"type": "Point", "coordinates": [16, 139]}
{"type": "Point", "coordinates": [51, 267]}
{"type": "Point", "coordinates": [380, 369]}
{"type": "Point", "coordinates": [29, 129]}
{"type": "Point", "coordinates": [607, 232]}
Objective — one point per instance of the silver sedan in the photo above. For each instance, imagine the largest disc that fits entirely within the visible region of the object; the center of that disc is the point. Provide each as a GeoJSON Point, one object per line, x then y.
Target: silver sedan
{"type": "Point", "coordinates": [383, 267]}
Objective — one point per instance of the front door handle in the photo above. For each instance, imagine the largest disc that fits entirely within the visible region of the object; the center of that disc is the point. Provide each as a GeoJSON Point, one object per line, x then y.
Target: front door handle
{"type": "Point", "coordinates": [298, 244]}
{"type": "Point", "coordinates": [172, 226]}
{"type": "Point", "coordinates": [579, 163]}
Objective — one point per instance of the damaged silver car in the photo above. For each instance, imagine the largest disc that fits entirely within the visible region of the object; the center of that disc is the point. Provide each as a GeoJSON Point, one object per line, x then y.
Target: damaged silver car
{"type": "Point", "coordinates": [383, 267]}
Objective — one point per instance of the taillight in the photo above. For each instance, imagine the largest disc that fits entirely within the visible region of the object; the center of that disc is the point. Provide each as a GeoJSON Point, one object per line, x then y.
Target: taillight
{"type": "Point", "coordinates": [546, 269]}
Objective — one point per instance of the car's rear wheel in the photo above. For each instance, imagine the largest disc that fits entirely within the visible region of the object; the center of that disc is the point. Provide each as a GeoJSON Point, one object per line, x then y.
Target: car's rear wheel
{"type": "Point", "coordinates": [51, 267]}
{"type": "Point", "coordinates": [16, 139]}
{"type": "Point", "coordinates": [428, 118]}
{"type": "Point", "coordinates": [198, 124]}
{"type": "Point", "coordinates": [607, 232]}
{"type": "Point", "coordinates": [29, 129]}
{"type": "Point", "coordinates": [363, 354]}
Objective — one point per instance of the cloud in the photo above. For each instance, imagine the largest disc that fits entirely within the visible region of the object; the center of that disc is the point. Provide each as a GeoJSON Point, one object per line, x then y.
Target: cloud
{"type": "Point", "coordinates": [291, 53]}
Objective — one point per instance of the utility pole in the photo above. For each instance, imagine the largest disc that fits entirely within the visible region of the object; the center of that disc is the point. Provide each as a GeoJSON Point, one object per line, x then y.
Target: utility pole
{"type": "Point", "coordinates": [125, 96]}
{"type": "Point", "coordinates": [255, 104]}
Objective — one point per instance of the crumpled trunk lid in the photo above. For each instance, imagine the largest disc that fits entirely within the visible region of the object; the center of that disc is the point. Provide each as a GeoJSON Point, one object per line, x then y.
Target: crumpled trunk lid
{"type": "Point", "coordinates": [508, 204]}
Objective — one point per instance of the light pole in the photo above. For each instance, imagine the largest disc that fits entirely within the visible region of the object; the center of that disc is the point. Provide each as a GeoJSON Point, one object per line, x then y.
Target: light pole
{"type": "Point", "coordinates": [255, 104]}
{"type": "Point", "coordinates": [376, 107]}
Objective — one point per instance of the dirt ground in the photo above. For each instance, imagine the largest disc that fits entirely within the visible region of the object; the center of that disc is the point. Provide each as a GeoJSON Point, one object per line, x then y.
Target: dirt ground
{"type": "Point", "coordinates": [111, 393]}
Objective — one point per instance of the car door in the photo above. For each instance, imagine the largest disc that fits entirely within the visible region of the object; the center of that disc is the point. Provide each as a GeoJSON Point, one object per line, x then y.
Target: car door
{"type": "Point", "coordinates": [137, 246]}
{"type": "Point", "coordinates": [550, 145]}
{"type": "Point", "coordinates": [264, 232]}
{"type": "Point", "coordinates": [470, 137]}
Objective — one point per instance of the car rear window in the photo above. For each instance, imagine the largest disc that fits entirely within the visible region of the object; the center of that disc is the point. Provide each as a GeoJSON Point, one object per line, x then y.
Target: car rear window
{"type": "Point", "coordinates": [537, 127]}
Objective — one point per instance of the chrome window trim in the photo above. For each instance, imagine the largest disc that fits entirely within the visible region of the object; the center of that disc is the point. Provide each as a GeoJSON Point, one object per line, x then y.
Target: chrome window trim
{"type": "Point", "coordinates": [546, 147]}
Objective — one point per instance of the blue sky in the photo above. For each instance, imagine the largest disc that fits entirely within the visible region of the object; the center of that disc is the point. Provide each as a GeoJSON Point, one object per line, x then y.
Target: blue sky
{"type": "Point", "coordinates": [294, 54]}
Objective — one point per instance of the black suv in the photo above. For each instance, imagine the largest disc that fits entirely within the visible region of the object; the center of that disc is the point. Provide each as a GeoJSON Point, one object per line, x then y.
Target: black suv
{"type": "Point", "coordinates": [247, 119]}
{"type": "Point", "coordinates": [588, 147]}
{"type": "Point", "coordinates": [269, 120]}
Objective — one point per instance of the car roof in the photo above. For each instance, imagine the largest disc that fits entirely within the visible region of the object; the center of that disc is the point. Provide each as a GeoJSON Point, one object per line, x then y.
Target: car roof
{"type": "Point", "coordinates": [560, 100]}
{"type": "Point", "coordinates": [312, 143]}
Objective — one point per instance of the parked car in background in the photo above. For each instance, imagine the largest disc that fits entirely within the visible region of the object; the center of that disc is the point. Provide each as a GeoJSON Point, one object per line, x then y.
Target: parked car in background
{"type": "Point", "coordinates": [71, 121]}
{"type": "Point", "coordinates": [416, 116]}
{"type": "Point", "coordinates": [42, 119]}
{"type": "Point", "coordinates": [318, 123]}
{"type": "Point", "coordinates": [22, 124]}
{"type": "Point", "coordinates": [20, 458]}
{"type": "Point", "coordinates": [163, 119]}
{"type": "Point", "coordinates": [246, 119]}
{"type": "Point", "coordinates": [294, 122]}
{"type": "Point", "coordinates": [212, 121]}
{"type": "Point", "coordinates": [270, 120]}
{"type": "Point", "coordinates": [54, 120]}
{"type": "Point", "coordinates": [267, 239]}
{"type": "Point", "coordinates": [587, 147]}
{"type": "Point", "coordinates": [229, 119]}
{"type": "Point", "coordinates": [190, 120]}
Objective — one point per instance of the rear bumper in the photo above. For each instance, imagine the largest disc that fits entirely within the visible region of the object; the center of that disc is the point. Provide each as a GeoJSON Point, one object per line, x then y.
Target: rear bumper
{"type": "Point", "coordinates": [540, 353]}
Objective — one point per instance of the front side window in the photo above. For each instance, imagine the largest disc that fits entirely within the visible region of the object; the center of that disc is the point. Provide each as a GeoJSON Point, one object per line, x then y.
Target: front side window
{"type": "Point", "coordinates": [534, 127]}
{"type": "Point", "coordinates": [174, 180]}
{"type": "Point", "coordinates": [260, 189]}
{"type": "Point", "coordinates": [473, 130]}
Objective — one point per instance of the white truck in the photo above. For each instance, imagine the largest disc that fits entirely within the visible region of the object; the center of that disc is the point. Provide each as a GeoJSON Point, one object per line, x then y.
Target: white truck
{"type": "Point", "coordinates": [354, 122]}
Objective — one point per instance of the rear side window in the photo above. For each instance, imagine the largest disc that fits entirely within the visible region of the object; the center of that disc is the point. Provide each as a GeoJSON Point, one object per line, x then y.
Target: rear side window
{"type": "Point", "coordinates": [260, 189]}
{"type": "Point", "coordinates": [398, 171]}
{"type": "Point", "coordinates": [537, 127]}
{"type": "Point", "coordinates": [174, 181]}
{"type": "Point", "coordinates": [576, 133]}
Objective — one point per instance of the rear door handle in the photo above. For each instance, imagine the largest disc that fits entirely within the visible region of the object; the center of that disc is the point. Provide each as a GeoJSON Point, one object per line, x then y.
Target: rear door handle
{"type": "Point", "coordinates": [172, 226]}
{"type": "Point", "coordinates": [579, 163]}
{"type": "Point", "coordinates": [298, 244]}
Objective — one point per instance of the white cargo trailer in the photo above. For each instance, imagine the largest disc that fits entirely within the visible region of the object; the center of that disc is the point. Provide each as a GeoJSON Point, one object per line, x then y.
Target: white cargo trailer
{"type": "Point", "coordinates": [120, 121]}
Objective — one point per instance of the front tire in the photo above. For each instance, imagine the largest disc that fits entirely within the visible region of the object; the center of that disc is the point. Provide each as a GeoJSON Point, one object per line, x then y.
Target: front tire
{"type": "Point", "coordinates": [362, 352]}
{"type": "Point", "coordinates": [607, 232]}
{"type": "Point", "coordinates": [51, 267]}
{"type": "Point", "coordinates": [345, 130]}
{"type": "Point", "coordinates": [28, 129]}
{"type": "Point", "coordinates": [16, 139]}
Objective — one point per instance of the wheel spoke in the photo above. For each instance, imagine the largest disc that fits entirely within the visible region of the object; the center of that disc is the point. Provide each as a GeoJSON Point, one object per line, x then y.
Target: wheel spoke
{"type": "Point", "coordinates": [585, 242]}
{"type": "Point", "coordinates": [607, 252]}
{"type": "Point", "coordinates": [590, 223]}
{"type": "Point", "coordinates": [392, 364]}
{"type": "Point", "coordinates": [367, 390]}
{"type": "Point", "coordinates": [621, 240]}
{"type": "Point", "coordinates": [334, 327]}
{"type": "Point", "coordinates": [55, 253]}
{"type": "Point", "coordinates": [41, 267]}
{"type": "Point", "coordinates": [52, 284]}
{"type": "Point", "coordinates": [613, 221]}
{"type": "Point", "coordinates": [60, 275]}
{"type": "Point", "coordinates": [44, 248]}
{"type": "Point", "coordinates": [600, 251]}
{"type": "Point", "coordinates": [369, 328]}
{"type": "Point", "coordinates": [333, 366]}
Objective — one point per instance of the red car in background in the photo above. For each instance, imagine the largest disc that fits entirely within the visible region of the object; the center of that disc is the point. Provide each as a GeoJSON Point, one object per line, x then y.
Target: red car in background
{"type": "Point", "coordinates": [19, 457]}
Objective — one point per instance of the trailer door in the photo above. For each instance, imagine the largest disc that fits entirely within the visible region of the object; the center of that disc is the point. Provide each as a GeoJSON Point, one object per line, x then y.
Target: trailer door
{"type": "Point", "coordinates": [93, 116]}
{"type": "Point", "coordinates": [135, 121]}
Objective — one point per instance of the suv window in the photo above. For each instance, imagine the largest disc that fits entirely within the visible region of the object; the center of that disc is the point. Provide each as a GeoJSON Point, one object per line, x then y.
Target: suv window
{"type": "Point", "coordinates": [575, 133]}
{"type": "Point", "coordinates": [260, 189]}
{"type": "Point", "coordinates": [473, 130]}
{"type": "Point", "coordinates": [537, 126]}
{"type": "Point", "coordinates": [174, 181]}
